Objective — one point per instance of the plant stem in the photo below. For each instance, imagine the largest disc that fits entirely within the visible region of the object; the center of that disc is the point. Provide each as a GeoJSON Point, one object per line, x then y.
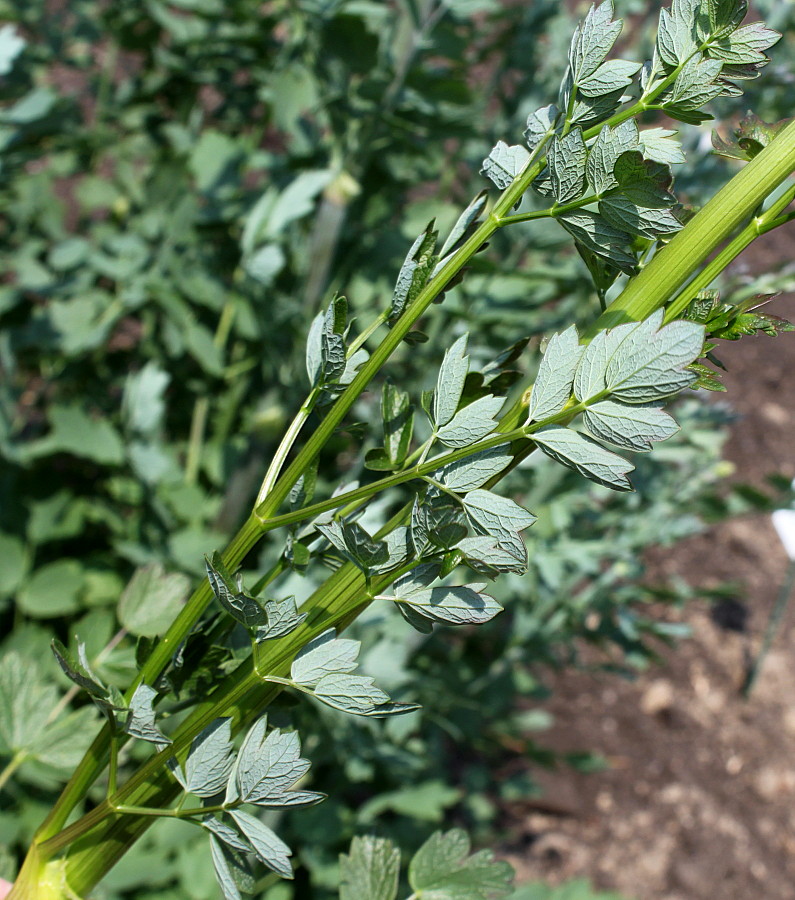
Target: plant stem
{"type": "Point", "coordinates": [759, 225]}
{"type": "Point", "coordinates": [11, 766]}
{"type": "Point", "coordinates": [671, 268]}
{"type": "Point", "coordinates": [286, 445]}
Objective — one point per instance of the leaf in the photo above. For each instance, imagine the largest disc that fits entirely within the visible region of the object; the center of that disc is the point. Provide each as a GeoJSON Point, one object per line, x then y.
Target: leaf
{"type": "Point", "coordinates": [498, 516]}
{"type": "Point", "coordinates": [540, 125]}
{"type": "Point", "coordinates": [268, 847]}
{"type": "Point", "coordinates": [566, 160]}
{"type": "Point", "coordinates": [553, 384]}
{"type": "Point", "coordinates": [487, 554]}
{"type": "Point", "coordinates": [143, 404]}
{"type": "Point", "coordinates": [452, 604]}
{"type": "Point", "coordinates": [593, 40]}
{"type": "Point", "coordinates": [745, 46]}
{"type": "Point", "coordinates": [472, 423]}
{"type": "Point", "coordinates": [226, 833]}
{"type": "Point", "coordinates": [210, 760]}
{"type": "Point", "coordinates": [464, 221]}
{"type": "Point", "coordinates": [108, 699]}
{"type": "Point", "coordinates": [283, 618]}
{"type": "Point", "coordinates": [151, 600]}
{"type": "Point", "coordinates": [355, 543]}
{"type": "Point", "coordinates": [504, 164]}
{"type": "Point", "coordinates": [638, 364]}
{"type": "Point", "coordinates": [397, 414]}
{"type": "Point", "coordinates": [613, 75]}
{"type": "Point", "coordinates": [630, 427]}
{"type": "Point", "coordinates": [659, 145]}
{"type": "Point", "coordinates": [414, 272]}
{"type": "Point", "coordinates": [647, 366]}
{"type": "Point", "coordinates": [231, 871]}
{"type": "Point", "coordinates": [358, 695]}
{"type": "Point", "coordinates": [450, 383]}
{"type": "Point", "coordinates": [436, 522]}
{"type": "Point", "coordinates": [675, 39]}
{"type": "Point", "coordinates": [140, 722]}
{"type": "Point", "coordinates": [598, 235]}
{"type": "Point", "coordinates": [646, 222]}
{"type": "Point", "coordinates": [474, 471]}
{"type": "Point", "coordinates": [242, 607]}
{"type": "Point", "coordinates": [324, 655]}
{"type": "Point", "coordinates": [605, 152]}
{"type": "Point", "coordinates": [26, 703]}
{"type": "Point", "coordinates": [370, 871]}
{"type": "Point", "coordinates": [267, 767]}
{"type": "Point", "coordinates": [586, 456]}
{"type": "Point", "coordinates": [442, 869]}
{"type": "Point", "coordinates": [695, 85]}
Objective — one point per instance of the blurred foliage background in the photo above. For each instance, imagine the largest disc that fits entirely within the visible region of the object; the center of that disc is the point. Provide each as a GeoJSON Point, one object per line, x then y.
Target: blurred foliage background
{"type": "Point", "coordinates": [182, 185]}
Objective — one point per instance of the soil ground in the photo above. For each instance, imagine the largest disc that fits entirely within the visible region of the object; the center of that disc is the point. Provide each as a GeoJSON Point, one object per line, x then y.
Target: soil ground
{"type": "Point", "coordinates": [698, 801]}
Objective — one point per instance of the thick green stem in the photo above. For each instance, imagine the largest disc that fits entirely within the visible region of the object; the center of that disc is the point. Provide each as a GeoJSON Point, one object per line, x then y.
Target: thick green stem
{"type": "Point", "coordinates": [687, 251]}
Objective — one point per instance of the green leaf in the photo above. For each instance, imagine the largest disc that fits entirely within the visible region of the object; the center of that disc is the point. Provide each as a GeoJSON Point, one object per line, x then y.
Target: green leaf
{"type": "Point", "coordinates": [143, 403]}
{"type": "Point", "coordinates": [629, 427]}
{"type": "Point", "coordinates": [586, 456]}
{"type": "Point", "coordinates": [646, 222]}
{"type": "Point", "coordinates": [267, 767]}
{"type": "Point", "coordinates": [26, 703]}
{"type": "Point", "coordinates": [659, 145]}
{"type": "Point", "coordinates": [210, 760]}
{"type": "Point", "coordinates": [283, 617]}
{"type": "Point", "coordinates": [695, 85]}
{"type": "Point", "coordinates": [638, 364]}
{"type": "Point", "coordinates": [675, 35]}
{"type": "Point", "coordinates": [599, 236]}
{"type": "Point", "coordinates": [370, 871]}
{"type": "Point", "coordinates": [355, 543]}
{"type": "Point", "coordinates": [498, 516]}
{"type": "Point", "coordinates": [504, 164]}
{"type": "Point", "coordinates": [469, 216]}
{"type": "Point", "coordinates": [593, 40]}
{"type": "Point", "coordinates": [75, 432]}
{"type": "Point", "coordinates": [140, 722]}
{"type": "Point", "coordinates": [472, 423]}
{"type": "Point", "coordinates": [450, 383]}
{"type": "Point", "coordinates": [414, 272]}
{"type": "Point", "coordinates": [226, 833]}
{"type": "Point", "coordinates": [566, 160]}
{"type": "Point", "coordinates": [487, 554]}
{"type": "Point", "coordinates": [231, 870]}
{"type": "Point", "coordinates": [268, 847]}
{"type": "Point", "coordinates": [358, 695]}
{"type": "Point", "coordinates": [474, 471]}
{"type": "Point", "coordinates": [240, 605]}
{"type": "Point", "coordinates": [605, 152]}
{"type": "Point", "coordinates": [11, 45]}
{"type": "Point", "coordinates": [54, 589]}
{"type": "Point", "coordinates": [442, 869]}
{"type": "Point", "coordinates": [151, 600]}
{"type": "Point", "coordinates": [613, 75]}
{"type": "Point", "coordinates": [324, 655]}
{"type": "Point", "coordinates": [541, 124]}
{"type": "Point", "coordinates": [745, 46]}
{"type": "Point", "coordinates": [108, 699]}
{"type": "Point", "coordinates": [397, 415]}
{"type": "Point", "coordinates": [450, 604]}
{"type": "Point", "coordinates": [553, 384]}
